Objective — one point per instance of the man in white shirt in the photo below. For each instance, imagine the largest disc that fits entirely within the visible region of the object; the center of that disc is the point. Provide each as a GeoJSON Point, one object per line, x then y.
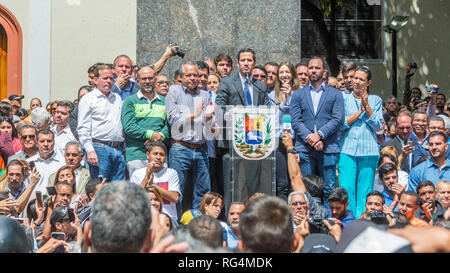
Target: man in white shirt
{"type": "Point", "coordinates": [61, 127]}
{"type": "Point", "coordinates": [163, 178]}
{"type": "Point", "coordinates": [100, 127]}
{"type": "Point", "coordinates": [46, 161]}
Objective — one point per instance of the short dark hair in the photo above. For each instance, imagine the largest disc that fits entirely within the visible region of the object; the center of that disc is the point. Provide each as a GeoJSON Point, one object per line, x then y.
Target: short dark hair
{"type": "Point", "coordinates": [157, 144]}
{"type": "Point", "coordinates": [5, 108]}
{"type": "Point", "coordinates": [324, 63]}
{"type": "Point", "coordinates": [45, 132]}
{"type": "Point", "coordinates": [438, 133]}
{"type": "Point", "coordinates": [223, 57]}
{"type": "Point", "coordinates": [91, 185]}
{"type": "Point", "coordinates": [301, 64]}
{"type": "Point", "coordinates": [202, 65]}
{"type": "Point", "coordinates": [442, 94]}
{"type": "Point", "coordinates": [266, 225]}
{"type": "Point", "coordinates": [92, 68]}
{"type": "Point", "coordinates": [348, 66]}
{"type": "Point", "coordinates": [245, 50]}
{"type": "Point", "coordinates": [261, 67]}
{"type": "Point", "coordinates": [375, 193]}
{"type": "Point", "coordinates": [423, 184]}
{"type": "Point", "coordinates": [271, 64]}
{"type": "Point", "coordinates": [15, 162]}
{"type": "Point", "coordinates": [63, 183]}
{"type": "Point", "coordinates": [385, 168]}
{"type": "Point", "coordinates": [66, 103]}
{"type": "Point", "coordinates": [435, 118]}
{"type": "Point", "coordinates": [338, 194]}
{"type": "Point", "coordinates": [207, 230]}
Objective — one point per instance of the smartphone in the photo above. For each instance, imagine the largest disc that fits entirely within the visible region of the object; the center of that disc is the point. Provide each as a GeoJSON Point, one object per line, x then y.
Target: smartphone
{"type": "Point", "coordinates": [100, 177]}
{"type": "Point", "coordinates": [51, 190]}
{"type": "Point", "coordinates": [411, 143]}
{"type": "Point", "coordinates": [59, 236]}
{"type": "Point", "coordinates": [39, 199]}
{"type": "Point", "coordinates": [32, 165]}
{"type": "Point", "coordinates": [71, 214]}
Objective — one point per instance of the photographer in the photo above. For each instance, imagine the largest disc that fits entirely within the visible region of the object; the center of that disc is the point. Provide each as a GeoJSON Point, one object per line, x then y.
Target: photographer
{"type": "Point", "coordinates": [408, 92]}
{"type": "Point", "coordinates": [338, 200]}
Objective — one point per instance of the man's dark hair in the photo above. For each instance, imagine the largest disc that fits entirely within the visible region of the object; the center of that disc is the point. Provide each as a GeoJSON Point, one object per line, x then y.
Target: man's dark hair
{"type": "Point", "coordinates": [412, 193]}
{"type": "Point", "coordinates": [348, 66]}
{"type": "Point", "coordinates": [271, 64]}
{"type": "Point", "coordinates": [176, 73]}
{"type": "Point", "coordinates": [206, 229]}
{"type": "Point", "coordinates": [91, 185]}
{"type": "Point", "coordinates": [92, 68]}
{"type": "Point", "coordinates": [202, 65]}
{"type": "Point", "coordinates": [15, 162]}
{"type": "Point", "coordinates": [424, 183]}
{"type": "Point", "coordinates": [338, 194]}
{"type": "Point", "coordinates": [438, 133]}
{"type": "Point", "coordinates": [246, 50]}
{"type": "Point", "coordinates": [87, 87]}
{"type": "Point", "coordinates": [314, 185]}
{"type": "Point", "coordinates": [266, 226]}
{"type": "Point", "coordinates": [385, 168]}
{"type": "Point", "coordinates": [261, 67]}
{"type": "Point", "coordinates": [63, 183]}
{"type": "Point", "coordinates": [419, 111]}
{"type": "Point", "coordinates": [301, 64]}
{"type": "Point", "coordinates": [5, 109]}
{"type": "Point", "coordinates": [375, 193]}
{"type": "Point", "coordinates": [157, 144]}
{"type": "Point", "coordinates": [66, 103]}
{"type": "Point", "coordinates": [223, 57]}
{"type": "Point", "coordinates": [442, 94]}
{"type": "Point", "coordinates": [324, 63]}
{"type": "Point", "coordinates": [121, 218]}
{"type": "Point", "coordinates": [45, 132]}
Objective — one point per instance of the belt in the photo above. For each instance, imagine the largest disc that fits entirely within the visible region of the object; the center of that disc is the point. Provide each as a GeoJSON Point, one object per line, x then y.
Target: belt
{"type": "Point", "coordinates": [115, 144]}
{"type": "Point", "coordinates": [189, 145]}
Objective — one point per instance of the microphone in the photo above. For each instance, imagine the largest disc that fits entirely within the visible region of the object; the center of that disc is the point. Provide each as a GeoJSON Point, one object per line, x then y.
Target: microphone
{"type": "Point", "coordinates": [287, 123]}
{"type": "Point", "coordinates": [247, 76]}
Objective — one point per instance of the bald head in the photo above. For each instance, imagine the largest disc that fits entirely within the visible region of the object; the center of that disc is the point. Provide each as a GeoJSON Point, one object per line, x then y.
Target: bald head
{"type": "Point", "coordinates": [146, 79]}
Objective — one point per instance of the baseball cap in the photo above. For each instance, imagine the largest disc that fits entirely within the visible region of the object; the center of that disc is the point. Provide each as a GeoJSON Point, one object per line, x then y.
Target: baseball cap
{"type": "Point", "coordinates": [16, 97]}
{"type": "Point", "coordinates": [60, 214]}
{"type": "Point", "coordinates": [319, 243]}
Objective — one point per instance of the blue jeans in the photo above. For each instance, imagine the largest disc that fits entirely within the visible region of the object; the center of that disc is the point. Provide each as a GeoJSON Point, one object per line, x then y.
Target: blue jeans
{"type": "Point", "coordinates": [111, 163]}
{"type": "Point", "coordinates": [323, 165]}
{"type": "Point", "coordinates": [192, 162]}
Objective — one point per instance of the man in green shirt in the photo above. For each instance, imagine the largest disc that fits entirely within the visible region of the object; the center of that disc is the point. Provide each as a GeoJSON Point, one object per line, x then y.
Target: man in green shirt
{"type": "Point", "coordinates": [144, 119]}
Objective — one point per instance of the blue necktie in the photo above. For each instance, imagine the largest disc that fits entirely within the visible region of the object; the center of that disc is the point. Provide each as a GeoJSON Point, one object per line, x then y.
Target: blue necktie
{"type": "Point", "coordinates": [248, 98]}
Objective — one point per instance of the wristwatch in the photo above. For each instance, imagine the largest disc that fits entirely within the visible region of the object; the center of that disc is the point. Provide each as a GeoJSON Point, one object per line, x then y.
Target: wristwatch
{"type": "Point", "coordinates": [292, 151]}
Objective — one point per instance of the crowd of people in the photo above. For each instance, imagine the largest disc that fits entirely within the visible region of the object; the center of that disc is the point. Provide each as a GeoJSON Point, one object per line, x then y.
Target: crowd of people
{"type": "Point", "coordinates": [108, 171]}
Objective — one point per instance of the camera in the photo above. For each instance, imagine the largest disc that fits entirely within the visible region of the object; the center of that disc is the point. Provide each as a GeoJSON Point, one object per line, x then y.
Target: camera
{"type": "Point", "coordinates": [180, 52]}
{"type": "Point", "coordinates": [413, 65]}
{"type": "Point", "coordinates": [316, 224]}
{"type": "Point", "coordinates": [431, 89]}
{"type": "Point", "coordinates": [378, 217]}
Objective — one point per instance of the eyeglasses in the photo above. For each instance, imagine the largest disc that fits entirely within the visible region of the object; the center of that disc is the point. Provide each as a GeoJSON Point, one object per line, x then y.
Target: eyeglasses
{"type": "Point", "coordinates": [294, 204]}
{"type": "Point", "coordinates": [404, 128]}
{"type": "Point", "coordinates": [28, 136]}
{"type": "Point", "coordinates": [162, 82]}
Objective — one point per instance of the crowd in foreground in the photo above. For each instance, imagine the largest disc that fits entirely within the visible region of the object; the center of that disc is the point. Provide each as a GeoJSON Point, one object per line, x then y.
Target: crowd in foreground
{"type": "Point", "coordinates": [107, 172]}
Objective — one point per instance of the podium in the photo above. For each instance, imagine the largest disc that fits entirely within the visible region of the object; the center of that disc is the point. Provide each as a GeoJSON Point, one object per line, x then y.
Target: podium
{"type": "Point", "coordinates": [251, 138]}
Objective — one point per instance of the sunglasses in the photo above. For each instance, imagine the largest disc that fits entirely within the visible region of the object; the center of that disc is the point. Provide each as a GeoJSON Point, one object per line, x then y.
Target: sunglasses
{"type": "Point", "coordinates": [28, 136]}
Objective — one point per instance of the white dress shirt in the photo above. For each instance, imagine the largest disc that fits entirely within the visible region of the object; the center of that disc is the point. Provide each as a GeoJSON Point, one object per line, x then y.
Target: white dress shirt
{"type": "Point", "coordinates": [45, 167]}
{"type": "Point", "coordinates": [62, 138]}
{"type": "Point", "coordinates": [99, 117]}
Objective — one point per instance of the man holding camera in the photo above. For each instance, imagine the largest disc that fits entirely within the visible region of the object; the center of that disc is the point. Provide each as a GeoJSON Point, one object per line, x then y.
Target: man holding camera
{"type": "Point", "coordinates": [338, 200]}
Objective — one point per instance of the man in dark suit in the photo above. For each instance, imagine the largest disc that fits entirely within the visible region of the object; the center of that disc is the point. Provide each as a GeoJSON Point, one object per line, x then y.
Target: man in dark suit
{"type": "Point", "coordinates": [400, 141]}
{"type": "Point", "coordinates": [317, 112]}
{"type": "Point", "coordinates": [240, 89]}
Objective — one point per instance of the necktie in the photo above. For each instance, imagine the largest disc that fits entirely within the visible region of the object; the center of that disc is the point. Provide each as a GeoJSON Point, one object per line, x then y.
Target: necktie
{"type": "Point", "coordinates": [248, 98]}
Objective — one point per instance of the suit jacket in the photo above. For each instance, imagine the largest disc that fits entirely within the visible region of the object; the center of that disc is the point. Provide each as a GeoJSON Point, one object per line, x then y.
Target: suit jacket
{"type": "Point", "coordinates": [329, 118]}
{"type": "Point", "coordinates": [230, 92]}
{"type": "Point", "coordinates": [80, 184]}
{"type": "Point", "coordinates": [395, 142]}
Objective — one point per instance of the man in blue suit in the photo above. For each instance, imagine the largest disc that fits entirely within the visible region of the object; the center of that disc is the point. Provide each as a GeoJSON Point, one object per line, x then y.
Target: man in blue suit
{"type": "Point", "coordinates": [317, 112]}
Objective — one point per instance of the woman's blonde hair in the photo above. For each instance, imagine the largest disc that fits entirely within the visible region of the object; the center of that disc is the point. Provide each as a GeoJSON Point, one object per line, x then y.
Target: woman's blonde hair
{"type": "Point", "coordinates": [390, 150]}
{"type": "Point", "coordinates": [294, 82]}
